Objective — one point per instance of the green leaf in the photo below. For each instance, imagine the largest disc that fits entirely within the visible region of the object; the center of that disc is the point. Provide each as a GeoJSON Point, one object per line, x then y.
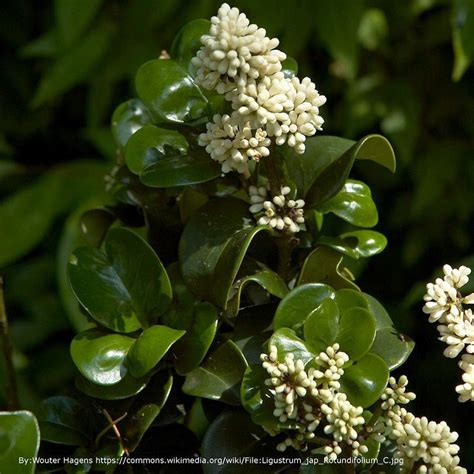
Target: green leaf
{"type": "Point", "coordinates": [74, 66]}
{"type": "Point", "coordinates": [287, 342]}
{"type": "Point", "coordinates": [331, 20]}
{"type": "Point", "coordinates": [297, 305]}
{"type": "Point", "coordinates": [129, 117]}
{"type": "Point", "coordinates": [322, 170]}
{"type": "Point", "coordinates": [356, 332]}
{"type": "Point", "coordinates": [27, 215]}
{"type": "Point", "coordinates": [150, 145]}
{"type": "Point", "coordinates": [289, 67]}
{"type": "Point", "coordinates": [191, 349]}
{"type": "Point", "coordinates": [354, 204]}
{"type": "Point", "coordinates": [321, 326]}
{"type": "Point", "coordinates": [126, 388]}
{"type": "Point", "coordinates": [162, 160]}
{"type": "Point", "coordinates": [380, 313]}
{"type": "Point", "coordinates": [151, 346]}
{"type": "Point", "coordinates": [463, 33]}
{"type": "Point", "coordinates": [231, 434]}
{"type": "Point", "coordinates": [145, 408]}
{"type": "Point", "coordinates": [219, 377]}
{"type": "Point", "coordinates": [356, 244]}
{"type": "Point", "coordinates": [94, 225]}
{"type": "Point", "coordinates": [169, 92]}
{"type": "Point", "coordinates": [347, 299]}
{"type": "Point", "coordinates": [365, 380]}
{"type": "Point", "coordinates": [188, 41]}
{"type": "Point", "coordinates": [63, 420]}
{"type": "Point", "coordinates": [100, 356]}
{"type": "Point", "coordinates": [392, 346]}
{"type": "Point", "coordinates": [73, 18]}
{"type": "Point", "coordinates": [19, 437]}
{"type": "Point", "coordinates": [123, 287]}
{"type": "Point", "coordinates": [197, 420]}
{"type": "Point", "coordinates": [323, 265]}
{"type": "Point", "coordinates": [210, 260]}
{"type": "Point", "coordinates": [256, 272]}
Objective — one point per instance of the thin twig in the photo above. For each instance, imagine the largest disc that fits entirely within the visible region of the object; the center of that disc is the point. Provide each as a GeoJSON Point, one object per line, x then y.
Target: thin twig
{"type": "Point", "coordinates": [113, 425]}
{"type": "Point", "coordinates": [11, 385]}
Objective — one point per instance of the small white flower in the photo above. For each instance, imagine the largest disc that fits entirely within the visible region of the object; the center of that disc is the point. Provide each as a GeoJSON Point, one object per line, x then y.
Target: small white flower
{"type": "Point", "coordinates": [232, 142]}
{"type": "Point", "coordinates": [466, 389]}
{"type": "Point", "coordinates": [443, 299]}
{"type": "Point", "coordinates": [395, 393]}
{"type": "Point", "coordinates": [343, 418]}
{"type": "Point", "coordinates": [330, 368]}
{"type": "Point", "coordinates": [279, 212]}
{"type": "Point", "coordinates": [421, 440]}
{"type": "Point", "coordinates": [332, 450]}
{"type": "Point", "coordinates": [235, 51]}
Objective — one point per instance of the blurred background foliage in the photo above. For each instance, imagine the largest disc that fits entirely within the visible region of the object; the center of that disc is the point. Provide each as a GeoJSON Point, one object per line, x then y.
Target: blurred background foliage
{"type": "Point", "coordinates": [399, 68]}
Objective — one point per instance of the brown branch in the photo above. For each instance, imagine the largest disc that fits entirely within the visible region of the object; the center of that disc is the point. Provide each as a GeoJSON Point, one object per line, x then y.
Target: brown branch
{"type": "Point", "coordinates": [112, 425]}
{"type": "Point", "coordinates": [11, 385]}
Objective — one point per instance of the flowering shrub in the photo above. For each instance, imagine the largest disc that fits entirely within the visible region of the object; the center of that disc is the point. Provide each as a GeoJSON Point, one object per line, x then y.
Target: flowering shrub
{"type": "Point", "coordinates": [221, 309]}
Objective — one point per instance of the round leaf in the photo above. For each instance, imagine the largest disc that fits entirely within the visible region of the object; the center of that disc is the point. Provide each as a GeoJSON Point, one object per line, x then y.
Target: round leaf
{"type": "Point", "coordinates": [356, 332]}
{"type": "Point", "coordinates": [393, 347]}
{"type": "Point", "coordinates": [150, 348]}
{"type": "Point", "coordinates": [64, 420]}
{"type": "Point", "coordinates": [100, 356]}
{"type": "Point", "coordinates": [219, 377]}
{"type": "Point", "coordinates": [321, 326]}
{"type": "Point", "coordinates": [354, 204]}
{"type": "Point", "coordinates": [347, 299]}
{"type": "Point", "coordinates": [170, 92]}
{"type": "Point", "coordinates": [150, 145]}
{"type": "Point", "coordinates": [94, 225]}
{"type": "Point", "coordinates": [287, 342]}
{"type": "Point", "coordinates": [380, 313]}
{"type": "Point", "coordinates": [126, 388]}
{"type": "Point", "coordinates": [127, 118]}
{"type": "Point", "coordinates": [356, 244]}
{"type": "Point", "coordinates": [365, 380]}
{"type": "Point", "coordinates": [297, 305]}
{"type": "Point", "coordinates": [20, 437]}
{"type": "Point", "coordinates": [123, 287]}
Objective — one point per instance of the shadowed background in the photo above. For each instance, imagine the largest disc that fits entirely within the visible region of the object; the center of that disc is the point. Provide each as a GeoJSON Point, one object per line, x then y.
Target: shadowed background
{"type": "Point", "coordinates": [398, 68]}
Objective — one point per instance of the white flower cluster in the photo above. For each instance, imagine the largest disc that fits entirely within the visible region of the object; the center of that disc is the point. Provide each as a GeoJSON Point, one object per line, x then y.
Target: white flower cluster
{"type": "Point", "coordinates": [429, 445]}
{"type": "Point", "coordinates": [466, 389]}
{"type": "Point", "coordinates": [311, 397]}
{"type": "Point", "coordinates": [395, 393]}
{"type": "Point", "coordinates": [238, 59]}
{"type": "Point", "coordinates": [445, 304]}
{"type": "Point", "coordinates": [280, 213]}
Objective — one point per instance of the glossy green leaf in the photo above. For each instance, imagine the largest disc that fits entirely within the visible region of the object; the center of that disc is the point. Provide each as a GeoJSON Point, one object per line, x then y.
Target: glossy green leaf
{"type": "Point", "coordinates": [145, 408]}
{"type": "Point", "coordinates": [260, 274]}
{"type": "Point", "coordinates": [123, 287]}
{"type": "Point", "coordinates": [219, 377]}
{"type": "Point", "coordinates": [94, 225]}
{"type": "Point", "coordinates": [297, 305]}
{"type": "Point", "coordinates": [63, 420]}
{"type": "Point", "coordinates": [231, 434]}
{"type": "Point", "coordinates": [73, 18]}
{"type": "Point", "coordinates": [126, 388]}
{"type": "Point", "coordinates": [129, 117]}
{"type": "Point", "coordinates": [74, 66]}
{"type": "Point", "coordinates": [255, 396]}
{"type": "Point", "coordinates": [286, 342]}
{"type": "Point", "coordinates": [170, 92]}
{"type": "Point", "coordinates": [354, 204]}
{"type": "Point", "coordinates": [180, 170]}
{"type": "Point", "coordinates": [150, 145]}
{"type": "Point", "coordinates": [324, 265]}
{"type": "Point", "coordinates": [322, 170]}
{"type": "Point", "coordinates": [356, 332]}
{"type": "Point", "coordinates": [392, 346]}
{"type": "Point", "coordinates": [380, 313]}
{"type": "Point", "coordinates": [201, 329]}
{"type": "Point", "coordinates": [321, 326]}
{"type": "Point", "coordinates": [365, 380]}
{"type": "Point", "coordinates": [347, 299]}
{"type": "Point", "coordinates": [289, 67]}
{"type": "Point", "coordinates": [188, 41]}
{"type": "Point", "coordinates": [19, 438]}
{"type": "Point", "coordinates": [197, 420]}
{"type": "Point", "coordinates": [210, 260]}
{"type": "Point", "coordinates": [100, 356]}
{"type": "Point", "coordinates": [358, 243]}
{"type": "Point", "coordinates": [151, 346]}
